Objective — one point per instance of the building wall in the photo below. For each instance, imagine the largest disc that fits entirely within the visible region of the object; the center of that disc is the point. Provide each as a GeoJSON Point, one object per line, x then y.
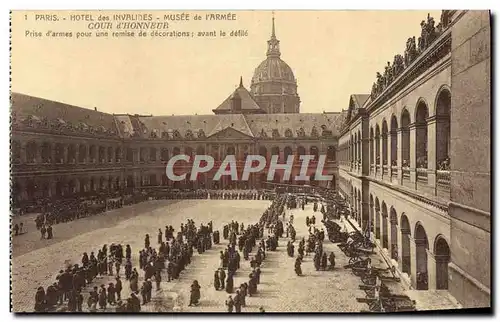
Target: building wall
{"type": "Point", "coordinates": [446, 209]}
{"type": "Point", "coordinates": [110, 169]}
{"type": "Point", "coordinates": [471, 175]}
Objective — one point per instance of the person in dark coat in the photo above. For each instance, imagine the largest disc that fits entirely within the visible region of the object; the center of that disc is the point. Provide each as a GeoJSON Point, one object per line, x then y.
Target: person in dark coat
{"type": "Point", "coordinates": [222, 279]}
{"type": "Point", "coordinates": [324, 262]}
{"type": "Point", "coordinates": [128, 252]}
{"type": "Point", "coordinates": [216, 280]}
{"type": "Point", "coordinates": [40, 300]}
{"type": "Point", "coordinates": [146, 241]}
{"type": "Point", "coordinates": [230, 304]}
{"type": "Point", "coordinates": [160, 235]}
{"type": "Point", "coordinates": [49, 232]}
{"type": "Point", "coordinates": [158, 279]}
{"type": "Point", "coordinates": [111, 294]}
{"type": "Point", "coordinates": [195, 294]}
{"type": "Point", "coordinates": [102, 298]}
{"type": "Point", "coordinates": [118, 288]}
{"type": "Point", "coordinates": [237, 302]}
{"type": "Point", "coordinates": [298, 269]}
{"type": "Point", "coordinates": [229, 284]}
{"type": "Point", "coordinates": [332, 260]}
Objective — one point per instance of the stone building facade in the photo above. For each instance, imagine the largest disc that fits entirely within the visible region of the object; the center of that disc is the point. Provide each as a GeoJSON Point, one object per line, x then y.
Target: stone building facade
{"type": "Point", "coordinates": [414, 158]}
{"type": "Point", "coordinates": [60, 150]}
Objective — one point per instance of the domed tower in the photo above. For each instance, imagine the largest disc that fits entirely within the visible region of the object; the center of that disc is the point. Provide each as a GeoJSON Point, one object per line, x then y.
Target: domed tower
{"type": "Point", "coordinates": [274, 86]}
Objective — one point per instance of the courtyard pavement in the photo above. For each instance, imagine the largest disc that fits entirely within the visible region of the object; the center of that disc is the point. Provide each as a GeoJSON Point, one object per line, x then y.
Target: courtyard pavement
{"type": "Point", "coordinates": [36, 262]}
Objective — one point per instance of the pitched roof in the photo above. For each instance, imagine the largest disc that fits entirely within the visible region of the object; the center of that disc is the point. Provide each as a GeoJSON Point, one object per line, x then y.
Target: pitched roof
{"type": "Point", "coordinates": [360, 99]}
{"type": "Point", "coordinates": [282, 122]}
{"type": "Point", "coordinates": [235, 121]}
{"type": "Point", "coordinates": [30, 106]}
{"type": "Point", "coordinates": [247, 101]}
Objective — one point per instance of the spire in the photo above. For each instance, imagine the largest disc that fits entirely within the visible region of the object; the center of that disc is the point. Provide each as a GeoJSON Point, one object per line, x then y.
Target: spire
{"type": "Point", "coordinates": [273, 44]}
{"type": "Point", "coordinates": [241, 81]}
{"type": "Point", "coordinates": [273, 34]}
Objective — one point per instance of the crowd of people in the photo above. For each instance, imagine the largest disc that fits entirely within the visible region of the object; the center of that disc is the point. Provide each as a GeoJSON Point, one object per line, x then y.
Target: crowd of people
{"type": "Point", "coordinates": [55, 211]}
{"type": "Point", "coordinates": [173, 254]}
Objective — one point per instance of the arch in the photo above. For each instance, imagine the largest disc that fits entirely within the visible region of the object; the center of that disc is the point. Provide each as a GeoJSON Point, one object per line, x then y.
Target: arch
{"type": "Point", "coordinates": [102, 183]}
{"type": "Point", "coordinates": [72, 184]}
{"type": "Point", "coordinates": [164, 154]}
{"type": "Point", "coordinates": [101, 154]}
{"type": "Point", "coordinates": [263, 151]}
{"type": "Point", "coordinates": [275, 150]}
{"type": "Point", "coordinates": [82, 153]}
{"type": "Point", "coordinates": [301, 151]}
{"type": "Point", "coordinates": [372, 138]}
{"type": "Point", "coordinates": [46, 152]}
{"type": "Point", "coordinates": [359, 146]}
{"type": "Point", "coordinates": [355, 147]}
{"type": "Point", "coordinates": [394, 140]}
{"type": "Point", "coordinates": [189, 152]}
{"type": "Point", "coordinates": [443, 132]}
{"type": "Point", "coordinates": [287, 152]}
{"type": "Point", "coordinates": [405, 244]}
{"type": "Point", "coordinates": [313, 150]}
{"type": "Point", "coordinates": [59, 188]}
{"type": "Point", "coordinates": [176, 151]}
{"type": "Point", "coordinates": [118, 154]}
{"type": "Point", "coordinates": [377, 144]}
{"type": "Point", "coordinates": [110, 154]}
{"type": "Point", "coordinates": [31, 152]}
{"type": "Point", "coordinates": [377, 218]}
{"type": "Point", "coordinates": [200, 150]}
{"type": "Point", "coordinates": [152, 154]}
{"type": "Point", "coordinates": [385, 237]}
{"type": "Point", "coordinates": [59, 153]}
{"type": "Point", "coordinates": [385, 132]}
{"type": "Point", "coordinates": [93, 153]}
{"type": "Point", "coordinates": [130, 181]}
{"type": "Point", "coordinates": [15, 148]}
{"type": "Point", "coordinates": [331, 153]}
{"type": "Point", "coordinates": [152, 180]}
{"type": "Point", "coordinates": [421, 115]}
{"type": "Point", "coordinates": [405, 137]}
{"type": "Point", "coordinates": [394, 233]}
{"type": "Point", "coordinates": [130, 155]}
{"type": "Point", "coordinates": [164, 179]}
{"type": "Point", "coordinates": [231, 150]}
{"type": "Point", "coordinates": [372, 214]}
{"type": "Point", "coordinates": [442, 256]}
{"type": "Point", "coordinates": [421, 247]}
{"type": "Point", "coordinates": [83, 185]}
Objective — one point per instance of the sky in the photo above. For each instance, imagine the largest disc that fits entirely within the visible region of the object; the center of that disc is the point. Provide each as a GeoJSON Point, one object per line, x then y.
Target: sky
{"type": "Point", "coordinates": [333, 54]}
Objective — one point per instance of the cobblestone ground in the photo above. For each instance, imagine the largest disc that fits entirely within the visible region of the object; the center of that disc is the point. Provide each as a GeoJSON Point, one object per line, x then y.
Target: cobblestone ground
{"type": "Point", "coordinates": [36, 262]}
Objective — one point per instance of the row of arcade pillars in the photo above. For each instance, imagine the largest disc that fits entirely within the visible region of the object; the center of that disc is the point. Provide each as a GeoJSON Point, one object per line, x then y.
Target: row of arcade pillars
{"type": "Point", "coordinates": [424, 263]}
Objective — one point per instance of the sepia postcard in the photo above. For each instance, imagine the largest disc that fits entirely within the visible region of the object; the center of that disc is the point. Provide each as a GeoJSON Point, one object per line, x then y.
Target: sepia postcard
{"type": "Point", "coordinates": [250, 161]}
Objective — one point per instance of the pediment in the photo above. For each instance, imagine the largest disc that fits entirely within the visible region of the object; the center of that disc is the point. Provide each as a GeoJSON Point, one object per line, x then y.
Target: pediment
{"type": "Point", "coordinates": [229, 133]}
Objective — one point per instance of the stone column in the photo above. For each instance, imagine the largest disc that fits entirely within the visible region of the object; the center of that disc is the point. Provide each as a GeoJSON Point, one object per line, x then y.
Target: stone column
{"type": "Point", "coordinates": [65, 148]}
{"type": "Point", "coordinates": [413, 256]}
{"type": "Point", "coordinates": [389, 234]}
{"type": "Point", "coordinates": [400, 155]}
{"type": "Point", "coordinates": [52, 152]}
{"type": "Point", "coordinates": [390, 134]}
{"type": "Point", "coordinates": [431, 270]}
{"type": "Point", "coordinates": [413, 154]}
{"type": "Point", "coordinates": [431, 152]}
{"type": "Point", "coordinates": [400, 249]}
{"type": "Point", "coordinates": [23, 152]}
